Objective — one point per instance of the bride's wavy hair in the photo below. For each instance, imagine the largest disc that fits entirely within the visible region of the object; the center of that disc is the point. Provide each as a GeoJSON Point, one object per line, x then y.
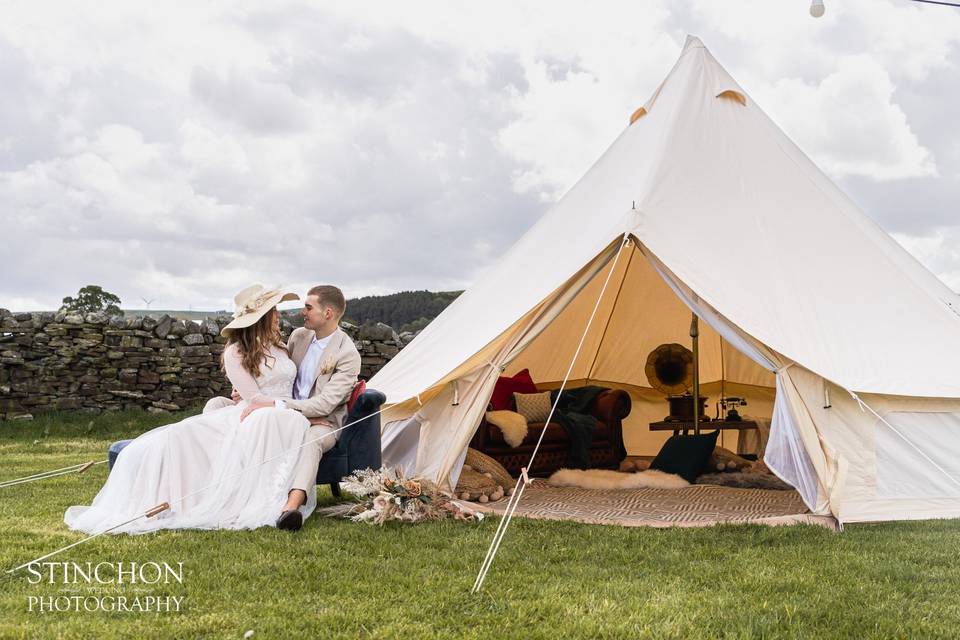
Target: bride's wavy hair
{"type": "Point", "coordinates": [254, 343]}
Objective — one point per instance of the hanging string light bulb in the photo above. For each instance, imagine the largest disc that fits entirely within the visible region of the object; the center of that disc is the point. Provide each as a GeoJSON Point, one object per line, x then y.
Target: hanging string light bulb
{"type": "Point", "coordinates": [817, 9]}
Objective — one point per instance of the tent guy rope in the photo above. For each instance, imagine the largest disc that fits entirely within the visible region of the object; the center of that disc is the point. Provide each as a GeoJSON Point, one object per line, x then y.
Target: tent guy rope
{"type": "Point", "coordinates": [148, 514]}
{"type": "Point", "coordinates": [524, 478]}
{"type": "Point", "coordinates": [865, 407]}
{"type": "Point", "coordinates": [163, 506]}
{"type": "Point", "coordinates": [80, 467]}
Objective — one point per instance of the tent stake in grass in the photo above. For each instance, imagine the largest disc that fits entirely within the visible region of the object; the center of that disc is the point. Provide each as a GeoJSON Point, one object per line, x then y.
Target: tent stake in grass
{"type": "Point", "coordinates": [80, 467]}
{"type": "Point", "coordinates": [160, 508]}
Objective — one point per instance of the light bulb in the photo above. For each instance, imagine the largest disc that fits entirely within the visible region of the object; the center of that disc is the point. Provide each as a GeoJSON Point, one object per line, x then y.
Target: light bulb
{"type": "Point", "coordinates": [817, 8]}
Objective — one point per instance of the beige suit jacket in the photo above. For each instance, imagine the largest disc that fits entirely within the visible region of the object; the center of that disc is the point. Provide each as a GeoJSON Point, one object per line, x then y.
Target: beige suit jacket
{"type": "Point", "coordinates": [335, 377]}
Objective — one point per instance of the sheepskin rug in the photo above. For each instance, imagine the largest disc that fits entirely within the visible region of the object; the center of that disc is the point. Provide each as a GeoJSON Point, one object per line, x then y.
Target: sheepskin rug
{"type": "Point", "coordinates": [512, 424]}
{"type": "Point", "coordinates": [607, 479]}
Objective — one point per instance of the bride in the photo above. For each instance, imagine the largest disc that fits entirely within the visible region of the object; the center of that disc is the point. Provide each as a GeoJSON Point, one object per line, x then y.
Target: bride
{"type": "Point", "coordinates": [215, 471]}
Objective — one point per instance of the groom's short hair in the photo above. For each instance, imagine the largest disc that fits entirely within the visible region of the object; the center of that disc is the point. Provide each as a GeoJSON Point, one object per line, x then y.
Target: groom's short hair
{"type": "Point", "coordinates": [330, 296]}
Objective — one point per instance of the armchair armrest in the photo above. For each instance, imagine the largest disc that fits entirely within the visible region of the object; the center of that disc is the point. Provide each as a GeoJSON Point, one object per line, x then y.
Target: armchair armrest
{"type": "Point", "coordinates": [359, 445]}
{"type": "Point", "coordinates": [612, 405]}
{"type": "Point", "coordinates": [362, 440]}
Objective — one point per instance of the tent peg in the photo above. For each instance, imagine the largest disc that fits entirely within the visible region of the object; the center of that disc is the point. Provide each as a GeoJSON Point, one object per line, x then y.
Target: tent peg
{"type": "Point", "coordinates": [524, 476]}
{"type": "Point", "coordinates": [160, 508]}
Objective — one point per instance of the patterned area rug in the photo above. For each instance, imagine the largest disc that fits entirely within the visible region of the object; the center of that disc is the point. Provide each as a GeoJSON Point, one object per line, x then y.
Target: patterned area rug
{"type": "Point", "coordinates": [694, 506]}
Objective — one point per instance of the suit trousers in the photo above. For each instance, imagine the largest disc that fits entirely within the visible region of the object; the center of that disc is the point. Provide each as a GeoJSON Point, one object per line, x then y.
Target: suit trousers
{"type": "Point", "coordinates": [320, 439]}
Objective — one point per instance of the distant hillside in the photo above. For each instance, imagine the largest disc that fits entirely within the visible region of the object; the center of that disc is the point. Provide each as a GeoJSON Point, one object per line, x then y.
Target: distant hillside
{"type": "Point", "coordinates": [404, 311]}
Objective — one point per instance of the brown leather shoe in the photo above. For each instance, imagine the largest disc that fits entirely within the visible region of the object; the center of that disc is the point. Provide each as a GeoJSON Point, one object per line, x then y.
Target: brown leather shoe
{"type": "Point", "coordinates": [290, 520]}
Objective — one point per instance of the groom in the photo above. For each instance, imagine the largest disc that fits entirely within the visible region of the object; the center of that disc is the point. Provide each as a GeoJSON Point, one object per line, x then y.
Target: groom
{"type": "Point", "coordinates": [328, 364]}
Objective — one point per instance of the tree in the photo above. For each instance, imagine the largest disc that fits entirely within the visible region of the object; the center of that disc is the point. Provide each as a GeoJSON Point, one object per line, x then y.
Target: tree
{"type": "Point", "coordinates": [91, 299]}
{"type": "Point", "coordinates": [399, 309]}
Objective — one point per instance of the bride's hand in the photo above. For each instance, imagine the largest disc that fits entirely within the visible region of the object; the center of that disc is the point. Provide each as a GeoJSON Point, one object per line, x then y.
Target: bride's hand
{"type": "Point", "coordinates": [253, 406]}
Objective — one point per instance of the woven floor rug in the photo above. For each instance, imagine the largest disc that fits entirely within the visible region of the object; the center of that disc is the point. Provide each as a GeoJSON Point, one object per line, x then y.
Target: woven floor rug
{"type": "Point", "coordinates": [694, 506]}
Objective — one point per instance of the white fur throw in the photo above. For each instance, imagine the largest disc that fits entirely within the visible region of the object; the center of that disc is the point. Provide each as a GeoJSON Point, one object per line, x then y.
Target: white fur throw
{"type": "Point", "coordinates": [606, 479]}
{"type": "Point", "coordinates": [512, 424]}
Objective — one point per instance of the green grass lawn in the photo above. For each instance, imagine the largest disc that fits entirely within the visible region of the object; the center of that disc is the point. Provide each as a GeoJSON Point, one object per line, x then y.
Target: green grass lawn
{"type": "Point", "coordinates": [340, 579]}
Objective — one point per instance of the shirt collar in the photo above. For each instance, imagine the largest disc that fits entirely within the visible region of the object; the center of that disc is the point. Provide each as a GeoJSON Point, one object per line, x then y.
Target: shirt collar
{"type": "Point", "coordinates": [314, 339]}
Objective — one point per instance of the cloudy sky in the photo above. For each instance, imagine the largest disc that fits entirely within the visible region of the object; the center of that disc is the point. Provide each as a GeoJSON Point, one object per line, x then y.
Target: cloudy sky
{"type": "Point", "coordinates": [179, 151]}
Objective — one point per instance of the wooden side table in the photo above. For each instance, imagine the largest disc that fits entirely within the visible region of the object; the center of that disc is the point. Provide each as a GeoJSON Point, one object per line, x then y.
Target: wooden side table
{"type": "Point", "coordinates": [709, 425]}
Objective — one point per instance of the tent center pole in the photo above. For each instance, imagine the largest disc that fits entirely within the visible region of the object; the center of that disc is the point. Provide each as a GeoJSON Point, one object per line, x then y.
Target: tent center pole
{"type": "Point", "coordinates": [695, 334]}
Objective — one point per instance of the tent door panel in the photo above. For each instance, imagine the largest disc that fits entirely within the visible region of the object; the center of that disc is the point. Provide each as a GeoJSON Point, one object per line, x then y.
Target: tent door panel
{"type": "Point", "coordinates": [907, 461]}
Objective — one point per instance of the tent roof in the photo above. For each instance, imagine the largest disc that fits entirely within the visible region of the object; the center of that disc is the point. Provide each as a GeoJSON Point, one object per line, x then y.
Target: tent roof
{"type": "Point", "coordinates": [741, 216]}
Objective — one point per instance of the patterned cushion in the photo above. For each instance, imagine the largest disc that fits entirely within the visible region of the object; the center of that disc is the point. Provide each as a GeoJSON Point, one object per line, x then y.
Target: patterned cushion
{"type": "Point", "coordinates": [535, 407]}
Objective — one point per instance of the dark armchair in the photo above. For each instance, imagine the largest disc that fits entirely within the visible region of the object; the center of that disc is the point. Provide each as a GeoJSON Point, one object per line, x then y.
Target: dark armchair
{"type": "Point", "coordinates": [359, 444]}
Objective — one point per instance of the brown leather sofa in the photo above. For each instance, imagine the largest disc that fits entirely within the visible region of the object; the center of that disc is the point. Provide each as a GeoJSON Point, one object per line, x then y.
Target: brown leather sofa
{"type": "Point", "coordinates": [606, 452]}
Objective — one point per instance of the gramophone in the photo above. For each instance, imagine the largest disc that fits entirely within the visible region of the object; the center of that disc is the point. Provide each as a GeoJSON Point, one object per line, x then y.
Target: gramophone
{"type": "Point", "coordinates": [670, 370]}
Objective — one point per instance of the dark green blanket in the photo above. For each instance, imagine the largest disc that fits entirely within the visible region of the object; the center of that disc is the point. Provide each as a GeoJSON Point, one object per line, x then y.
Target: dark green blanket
{"type": "Point", "coordinates": [574, 415]}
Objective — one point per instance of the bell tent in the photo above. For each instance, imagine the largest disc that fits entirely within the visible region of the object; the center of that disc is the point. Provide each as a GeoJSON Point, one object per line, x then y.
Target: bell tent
{"type": "Point", "coordinates": [807, 308]}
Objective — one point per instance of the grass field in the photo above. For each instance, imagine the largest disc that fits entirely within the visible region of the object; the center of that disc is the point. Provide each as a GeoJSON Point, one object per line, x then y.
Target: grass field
{"type": "Point", "coordinates": [339, 579]}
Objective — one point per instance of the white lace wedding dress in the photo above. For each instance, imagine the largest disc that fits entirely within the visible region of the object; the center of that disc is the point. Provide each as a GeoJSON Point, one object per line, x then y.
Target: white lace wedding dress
{"type": "Point", "coordinates": [215, 471]}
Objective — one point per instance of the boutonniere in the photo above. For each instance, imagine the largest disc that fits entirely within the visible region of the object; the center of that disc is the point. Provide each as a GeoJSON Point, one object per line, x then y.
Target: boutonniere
{"type": "Point", "coordinates": [328, 365]}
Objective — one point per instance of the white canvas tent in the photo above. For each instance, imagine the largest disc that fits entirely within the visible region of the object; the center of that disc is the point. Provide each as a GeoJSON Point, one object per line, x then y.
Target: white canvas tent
{"type": "Point", "coordinates": [807, 307]}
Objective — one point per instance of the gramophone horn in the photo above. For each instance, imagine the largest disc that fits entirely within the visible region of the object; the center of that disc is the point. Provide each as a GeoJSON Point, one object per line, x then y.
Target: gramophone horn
{"type": "Point", "coordinates": [669, 369]}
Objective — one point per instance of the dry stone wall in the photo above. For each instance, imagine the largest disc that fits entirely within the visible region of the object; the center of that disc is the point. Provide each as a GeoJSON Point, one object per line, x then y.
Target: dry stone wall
{"type": "Point", "coordinates": [59, 361]}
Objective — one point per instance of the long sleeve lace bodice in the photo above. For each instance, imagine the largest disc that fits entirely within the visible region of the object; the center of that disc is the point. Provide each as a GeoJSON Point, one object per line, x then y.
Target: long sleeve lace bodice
{"type": "Point", "coordinates": [277, 374]}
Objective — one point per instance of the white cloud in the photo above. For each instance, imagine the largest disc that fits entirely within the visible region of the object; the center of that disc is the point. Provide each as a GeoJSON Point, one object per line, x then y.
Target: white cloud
{"type": "Point", "coordinates": [939, 251]}
{"type": "Point", "coordinates": [908, 38]}
{"type": "Point", "coordinates": [181, 151]}
{"type": "Point", "coordinates": [849, 124]}
{"type": "Point", "coordinates": [205, 150]}
{"type": "Point", "coordinates": [277, 169]}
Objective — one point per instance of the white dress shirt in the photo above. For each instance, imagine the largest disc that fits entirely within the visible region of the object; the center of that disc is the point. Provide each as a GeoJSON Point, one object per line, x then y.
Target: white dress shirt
{"type": "Point", "coordinates": [307, 372]}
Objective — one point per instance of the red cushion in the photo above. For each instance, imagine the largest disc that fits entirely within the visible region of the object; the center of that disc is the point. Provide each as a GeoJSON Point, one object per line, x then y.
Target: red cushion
{"type": "Point", "coordinates": [357, 390]}
{"type": "Point", "coordinates": [502, 398]}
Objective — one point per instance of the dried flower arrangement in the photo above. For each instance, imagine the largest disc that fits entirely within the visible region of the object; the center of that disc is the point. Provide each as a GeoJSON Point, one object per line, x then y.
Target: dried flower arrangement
{"type": "Point", "coordinates": [385, 494]}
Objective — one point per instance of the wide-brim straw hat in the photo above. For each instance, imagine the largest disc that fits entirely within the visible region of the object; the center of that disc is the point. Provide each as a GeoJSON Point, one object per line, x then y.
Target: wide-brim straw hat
{"type": "Point", "coordinates": [253, 303]}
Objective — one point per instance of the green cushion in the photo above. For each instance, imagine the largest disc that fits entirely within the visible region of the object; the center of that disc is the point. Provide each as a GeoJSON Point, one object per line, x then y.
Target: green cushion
{"type": "Point", "coordinates": [686, 456]}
